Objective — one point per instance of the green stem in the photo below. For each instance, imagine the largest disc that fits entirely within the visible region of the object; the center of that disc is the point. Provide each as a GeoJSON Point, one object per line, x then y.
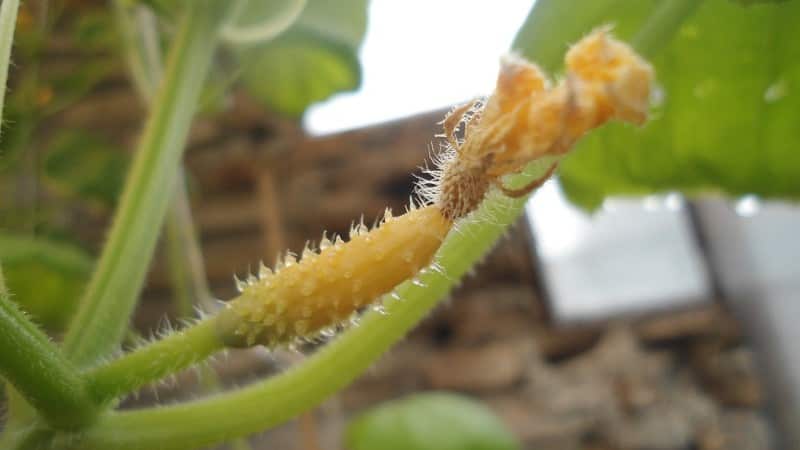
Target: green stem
{"type": "Point", "coordinates": [190, 284]}
{"type": "Point", "coordinates": [176, 265]}
{"type": "Point", "coordinates": [19, 409]}
{"type": "Point", "coordinates": [275, 400]}
{"type": "Point", "coordinates": [8, 20]}
{"type": "Point", "coordinates": [184, 254]}
{"type": "Point", "coordinates": [661, 25]}
{"type": "Point", "coordinates": [39, 371]}
{"type": "Point", "coordinates": [185, 259]}
{"type": "Point", "coordinates": [137, 25]}
{"type": "Point", "coordinates": [100, 323]}
{"type": "Point", "coordinates": [210, 421]}
{"type": "Point", "coordinates": [176, 351]}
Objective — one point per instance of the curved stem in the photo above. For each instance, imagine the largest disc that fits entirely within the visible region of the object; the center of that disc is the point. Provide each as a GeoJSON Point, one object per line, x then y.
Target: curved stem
{"type": "Point", "coordinates": [270, 402]}
{"type": "Point", "coordinates": [39, 371]}
{"type": "Point", "coordinates": [176, 351]}
{"type": "Point", "coordinates": [184, 255]}
{"type": "Point", "coordinates": [101, 321]}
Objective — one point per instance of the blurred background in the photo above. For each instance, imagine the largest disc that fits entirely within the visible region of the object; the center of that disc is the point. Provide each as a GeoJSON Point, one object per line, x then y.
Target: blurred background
{"type": "Point", "coordinates": [647, 299]}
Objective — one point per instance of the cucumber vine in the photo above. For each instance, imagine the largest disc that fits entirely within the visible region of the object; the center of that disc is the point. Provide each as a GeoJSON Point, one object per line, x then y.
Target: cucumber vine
{"type": "Point", "coordinates": [364, 294]}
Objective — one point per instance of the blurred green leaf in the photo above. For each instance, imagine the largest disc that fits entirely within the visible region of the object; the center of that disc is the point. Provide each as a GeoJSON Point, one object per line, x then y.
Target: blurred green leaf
{"type": "Point", "coordinates": [253, 13]}
{"type": "Point", "coordinates": [46, 277]}
{"type": "Point", "coordinates": [257, 21]}
{"type": "Point", "coordinates": [725, 113]}
{"type": "Point", "coordinates": [431, 421]}
{"type": "Point", "coordinates": [312, 60]}
{"type": "Point", "coordinates": [85, 166]}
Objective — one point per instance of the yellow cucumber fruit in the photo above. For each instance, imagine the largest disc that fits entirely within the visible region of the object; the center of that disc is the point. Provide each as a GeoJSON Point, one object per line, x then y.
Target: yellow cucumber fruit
{"type": "Point", "coordinates": [303, 299]}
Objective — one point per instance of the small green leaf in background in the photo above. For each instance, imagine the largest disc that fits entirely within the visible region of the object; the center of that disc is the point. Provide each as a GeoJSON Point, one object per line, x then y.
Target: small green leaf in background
{"type": "Point", "coordinates": [430, 421]}
{"type": "Point", "coordinates": [85, 166]}
{"type": "Point", "coordinates": [725, 114]}
{"type": "Point", "coordinates": [255, 21]}
{"type": "Point", "coordinates": [46, 277]}
{"type": "Point", "coordinates": [312, 60]}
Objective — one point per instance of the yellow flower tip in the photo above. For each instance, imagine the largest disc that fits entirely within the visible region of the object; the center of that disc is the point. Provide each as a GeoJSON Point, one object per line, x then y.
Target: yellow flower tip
{"type": "Point", "coordinates": [322, 291]}
{"type": "Point", "coordinates": [517, 81]}
{"type": "Point", "coordinates": [620, 79]}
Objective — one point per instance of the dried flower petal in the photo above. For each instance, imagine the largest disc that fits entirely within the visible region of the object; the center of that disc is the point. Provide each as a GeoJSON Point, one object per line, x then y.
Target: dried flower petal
{"type": "Point", "coordinates": [525, 119]}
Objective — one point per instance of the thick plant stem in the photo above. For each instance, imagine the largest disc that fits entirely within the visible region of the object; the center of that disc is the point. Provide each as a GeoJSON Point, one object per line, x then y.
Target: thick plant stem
{"type": "Point", "coordinates": [183, 251]}
{"type": "Point", "coordinates": [39, 371]}
{"type": "Point", "coordinates": [100, 323]}
{"type": "Point", "coordinates": [151, 363]}
{"type": "Point", "coordinates": [270, 402]}
{"type": "Point", "coordinates": [662, 24]}
{"type": "Point", "coordinates": [184, 254]}
{"type": "Point", "coordinates": [8, 20]}
{"type": "Point", "coordinates": [185, 260]}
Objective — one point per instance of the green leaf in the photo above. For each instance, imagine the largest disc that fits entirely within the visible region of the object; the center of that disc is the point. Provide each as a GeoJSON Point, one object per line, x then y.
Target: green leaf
{"type": "Point", "coordinates": [314, 59]}
{"type": "Point", "coordinates": [724, 117]}
{"type": "Point", "coordinates": [253, 13]}
{"type": "Point", "coordinates": [102, 318]}
{"type": "Point", "coordinates": [46, 277]}
{"type": "Point", "coordinates": [257, 21]}
{"type": "Point", "coordinates": [84, 165]}
{"type": "Point", "coordinates": [431, 421]}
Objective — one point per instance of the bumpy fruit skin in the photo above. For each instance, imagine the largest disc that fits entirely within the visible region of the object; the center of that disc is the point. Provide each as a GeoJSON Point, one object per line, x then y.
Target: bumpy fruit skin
{"type": "Point", "coordinates": [305, 298]}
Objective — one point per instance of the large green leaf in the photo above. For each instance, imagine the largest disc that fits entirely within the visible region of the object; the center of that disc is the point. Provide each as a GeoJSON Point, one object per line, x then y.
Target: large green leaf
{"type": "Point", "coordinates": [46, 277]}
{"type": "Point", "coordinates": [312, 60]}
{"type": "Point", "coordinates": [725, 114]}
{"type": "Point", "coordinates": [433, 421]}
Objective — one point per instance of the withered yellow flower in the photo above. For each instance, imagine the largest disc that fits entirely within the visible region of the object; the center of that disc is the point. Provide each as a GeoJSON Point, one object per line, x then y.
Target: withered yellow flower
{"type": "Point", "coordinates": [525, 119]}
